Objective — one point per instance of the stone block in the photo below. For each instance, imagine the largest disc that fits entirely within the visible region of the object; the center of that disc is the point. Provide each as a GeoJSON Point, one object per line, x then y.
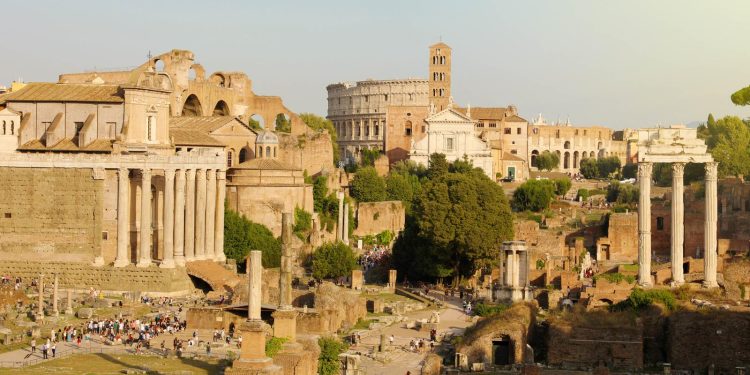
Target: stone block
{"type": "Point", "coordinates": [85, 313]}
{"type": "Point", "coordinates": [427, 327]}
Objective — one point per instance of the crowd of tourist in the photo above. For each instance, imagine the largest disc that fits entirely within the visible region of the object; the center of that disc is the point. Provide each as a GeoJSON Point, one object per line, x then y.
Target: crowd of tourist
{"type": "Point", "coordinates": [374, 257]}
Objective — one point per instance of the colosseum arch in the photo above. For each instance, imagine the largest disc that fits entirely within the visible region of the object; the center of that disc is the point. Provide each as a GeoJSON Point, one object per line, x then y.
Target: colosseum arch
{"type": "Point", "coordinates": [192, 106]}
{"type": "Point", "coordinates": [221, 109]}
{"type": "Point", "coordinates": [219, 80]}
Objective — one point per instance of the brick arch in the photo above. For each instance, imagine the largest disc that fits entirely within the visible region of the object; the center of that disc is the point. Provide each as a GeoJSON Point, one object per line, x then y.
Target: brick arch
{"type": "Point", "coordinates": [192, 106]}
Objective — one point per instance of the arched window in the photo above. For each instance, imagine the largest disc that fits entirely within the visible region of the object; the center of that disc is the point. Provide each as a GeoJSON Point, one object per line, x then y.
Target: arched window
{"type": "Point", "coordinates": [260, 151]}
{"type": "Point", "coordinates": [12, 127]}
{"type": "Point", "coordinates": [274, 151]}
{"type": "Point", "coordinates": [566, 145]}
{"type": "Point", "coordinates": [407, 128]}
{"type": "Point", "coordinates": [268, 151]}
{"type": "Point", "coordinates": [4, 127]}
{"type": "Point", "coordinates": [243, 155]}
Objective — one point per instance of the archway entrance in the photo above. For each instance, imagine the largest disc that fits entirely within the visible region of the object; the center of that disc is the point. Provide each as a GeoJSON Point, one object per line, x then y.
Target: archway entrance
{"type": "Point", "coordinates": [221, 109]}
{"type": "Point", "coordinates": [502, 351]}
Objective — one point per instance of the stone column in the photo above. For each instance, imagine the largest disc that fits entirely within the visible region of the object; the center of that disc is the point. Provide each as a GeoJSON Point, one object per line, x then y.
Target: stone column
{"type": "Point", "coordinates": [69, 303]}
{"type": "Point", "coordinates": [678, 223]}
{"type": "Point", "coordinates": [123, 218]}
{"type": "Point", "coordinates": [144, 259]}
{"type": "Point", "coordinates": [40, 298]}
{"type": "Point", "coordinates": [345, 231]}
{"type": "Point", "coordinates": [168, 261]}
{"type": "Point", "coordinates": [210, 212]}
{"type": "Point", "coordinates": [190, 216]}
{"type": "Point", "coordinates": [179, 219]}
{"type": "Point", "coordinates": [255, 273]}
{"type": "Point", "coordinates": [709, 259]}
{"type": "Point", "coordinates": [221, 192]}
{"type": "Point", "coordinates": [644, 224]}
{"type": "Point", "coordinates": [285, 276]}
{"type": "Point", "coordinates": [200, 214]}
{"type": "Point", "coordinates": [516, 269]}
{"type": "Point", "coordinates": [340, 226]}
{"type": "Point", "coordinates": [55, 296]}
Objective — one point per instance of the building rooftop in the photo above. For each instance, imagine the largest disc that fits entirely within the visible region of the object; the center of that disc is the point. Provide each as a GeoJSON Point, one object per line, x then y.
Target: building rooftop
{"type": "Point", "coordinates": [193, 137]}
{"type": "Point", "coordinates": [265, 164]}
{"type": "Point", "coordinates": [203, 123]}
{"type": "Point", "coordinates": [60, 92]}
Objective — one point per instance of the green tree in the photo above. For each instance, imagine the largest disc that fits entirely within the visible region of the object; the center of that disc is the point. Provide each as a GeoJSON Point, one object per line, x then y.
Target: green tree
{"type": "Point", "coordinates": [547, 161]}
{"type": "Point", "coordinates": [321, 124]}
{"type": "Point", "coordinates": [242, 235]}
{"type": "Point", "coordinates": [367, 186]}
{"type": "Point", "coordinates": [622, 193]}
{"type": "Point", "coordinates": [438, 166]}
{"type": "Point", "coordinates": [368, 157]}
{"type": "Point", "coordinates": [466, 217]}
{"type": "Point", "coordinates": [608, 166]}
{"type": "Point", "coordinates": [283, 124]}
{"type": "Point", "coordinates": [729, 143]}
{"type": "Point", "coordinates": [328, 360]}
{"type": "Point", "coordinates": [254, 124]}
{"type": "Point", "coordinates": [333, 260]}
{"type": "Point", "coordinates": [533, 195]}
{"type": "Point", "coordinates": [399, 188]}
{"type": "Point", "coordinates": [302, 223]}
{"type": "Point", "coordinates": [562, 185]}
{"type": "Point", "coordinates": [589, 168]}
{"type": "Point", "coordinates": [741, 96]}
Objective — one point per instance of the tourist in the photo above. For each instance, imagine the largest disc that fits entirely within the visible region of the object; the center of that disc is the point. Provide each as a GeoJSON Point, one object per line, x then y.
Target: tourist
{"type": "Point", "coordinates": [44, 351]}
{"type": "Point", "coordinates": [33, 345]}
{"type": "Point", "coordinates": [54, 349]}
{"type": "Point", "coordinates": [390, 340]}
{"type": "Point", "coordinates": [208, 349]}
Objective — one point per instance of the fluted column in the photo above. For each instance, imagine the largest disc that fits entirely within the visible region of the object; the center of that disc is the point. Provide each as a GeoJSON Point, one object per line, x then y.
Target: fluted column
{"type": "Point", "coordinates": [179, 219]}
{"type": "Point", "coordinates": [709, 260]}
{"type": "Point", "coordinates": [644, 224]}
{"type": "Point", "coordinates": [210, 212]}
{"type": "Point", "coordinates": [345, 232]}
{"type": "Point", "coordinates": [678, 223]}
{"type": "Point", "coordinates": [255, 275]}
{"type": "Point", "coordinates": [123, 217]}
{"type": "Point", "coordinates": [144, 259]}
{"type": "Point", "coordinates": [168, 261]}
{"type": "Point", "coordinates": [190, 216]}
{"type": "Point", "coordinates": [200, 214]}
{"type": "Point", "coordinates": [221, 181]}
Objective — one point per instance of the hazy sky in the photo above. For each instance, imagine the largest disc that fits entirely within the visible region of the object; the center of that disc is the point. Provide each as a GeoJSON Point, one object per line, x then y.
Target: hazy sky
{"type": "Point", "coordinates": [615, 63]}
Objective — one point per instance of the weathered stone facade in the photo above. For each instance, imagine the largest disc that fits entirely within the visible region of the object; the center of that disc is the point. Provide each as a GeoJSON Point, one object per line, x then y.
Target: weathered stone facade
{"type": "Point", "coordinates": [375, 217]}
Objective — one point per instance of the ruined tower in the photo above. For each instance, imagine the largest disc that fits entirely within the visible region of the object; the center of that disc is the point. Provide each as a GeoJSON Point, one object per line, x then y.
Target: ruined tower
{"type": "Point", "coordinates": [440, 76]}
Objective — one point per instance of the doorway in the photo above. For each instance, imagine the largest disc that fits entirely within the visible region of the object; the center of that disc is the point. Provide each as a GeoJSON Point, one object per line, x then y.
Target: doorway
{"type": "Point", "coordinates": [501, 351]}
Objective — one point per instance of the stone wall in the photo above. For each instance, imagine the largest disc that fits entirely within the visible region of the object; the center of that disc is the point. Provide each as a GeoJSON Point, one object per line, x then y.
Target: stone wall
{"type": "Point", "coordinates": [697, 340]}
{"type": "Point", "coordinates": [737, 278]}
{"type": "Point", "coordinates": [54, 214]}
{"type": "Point", "coordinates": [515, 324]}
{"type": "Point", "coordinates": [375, 217]}
{"type": "Point", "coordinates": [311, 152]}
{"type": "Point", "coordinates": [264, 204]}
{"type": "Point", "coordinates": [583, 340]}
{"type": "Point", "coordinates": [153, 280]}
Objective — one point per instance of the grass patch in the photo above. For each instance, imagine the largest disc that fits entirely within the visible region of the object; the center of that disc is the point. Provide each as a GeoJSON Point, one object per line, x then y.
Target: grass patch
{"type": "Point", "coordinates": [616, 278]}
{"type": "Point", "coordinates": [640, 299]}
{"type": "Point", "coordinates": [486, 310]}
{"type": "Point", "coordinates": [273, 345]}
{"type": "Point", "coordinates": [362, 324]}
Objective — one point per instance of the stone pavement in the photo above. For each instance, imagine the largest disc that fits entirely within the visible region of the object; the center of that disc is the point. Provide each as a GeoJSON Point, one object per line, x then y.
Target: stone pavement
{"type": "Point", "coordinates": [400, 359]}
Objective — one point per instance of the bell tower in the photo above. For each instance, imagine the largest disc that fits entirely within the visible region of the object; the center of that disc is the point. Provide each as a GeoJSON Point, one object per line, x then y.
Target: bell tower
{"type": "Point", "coordinates": [440, 76]}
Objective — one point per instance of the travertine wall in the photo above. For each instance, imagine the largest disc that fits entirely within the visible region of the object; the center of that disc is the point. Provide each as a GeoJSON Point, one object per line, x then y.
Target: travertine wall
{"type": "Point", "coordinates": [264, 204]}
{"type": "Point", "coordinates": [400, 118]}
{"type": "Point", "coordinates": [623, 237]}
{"type": "Point", "coordinates": [153, 280]}
{"type": "Point", "coordinates": [54, 214]}
{"type": "Point", "coordinates": [311, 152]}
{"type": "Point", "coordinates": [375, 217]}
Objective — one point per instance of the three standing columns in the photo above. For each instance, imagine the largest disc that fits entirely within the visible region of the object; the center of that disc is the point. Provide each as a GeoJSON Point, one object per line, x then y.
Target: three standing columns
{"type": "Point", "coordinates": [193, 217]}
{"type": "Point", "coordinates": [678, 225]}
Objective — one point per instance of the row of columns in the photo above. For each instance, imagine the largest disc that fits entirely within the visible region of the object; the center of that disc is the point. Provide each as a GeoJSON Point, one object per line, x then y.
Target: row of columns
{"type": "Point", "coordinates": [361, 129]}
{"type": "Point", "coordinates": [193, 217]}
{"type": "Point", "coordinates": [645, 170]}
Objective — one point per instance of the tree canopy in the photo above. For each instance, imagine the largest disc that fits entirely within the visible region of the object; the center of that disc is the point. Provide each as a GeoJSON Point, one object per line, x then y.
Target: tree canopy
{"type": "Point", "coordinates": [459, 222]}
{"type": "Point", "coordinates": [547, 161]}
{"type": "Point", "coordinates": [368, 186]}
{"type": "Point", "coordinates": [283, 124]}
{"type": "Point", "coordinates": [533, 195]}
{"type": "Point", "coordinates": [600, 168]}
{"type": "Point", "coordinates": [242, 235]}
{"type": "Point", "coordinates": [728, 140]}
{"type": "Point", "coordinates": [333, 260]}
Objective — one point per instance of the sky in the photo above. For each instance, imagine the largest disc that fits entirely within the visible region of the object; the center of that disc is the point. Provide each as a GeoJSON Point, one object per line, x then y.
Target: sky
{"type": "Point", "coordinates": [621, 64]}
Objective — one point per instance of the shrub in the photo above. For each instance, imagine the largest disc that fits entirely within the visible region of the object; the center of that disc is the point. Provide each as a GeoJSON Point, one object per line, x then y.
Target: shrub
{"type": "Point", "coordinates": [333, 260]}
{"type": "Point", "coordinates": [562, 185]}
{"type": "Point", "coordinates": [242, 235]}
{"type": "Point", "coordinates": [486, 310]}
{"type": "Point", "coordinates": [616, 278]}
{"type": "Point", "coordinates": [582, 195]}
{"type": "Point", "coordinates": [328, 361]}
{"type": "Point", "coordinates": [640, 298]}
{"type": "Point", "coordinates": [533, 195]}
{"type": "Point", "coordinates": [273, 346]}
{"type": "Point", "coordinates": [302, 222]}
{"type": "Point", "coordinates": [548, 161]}
{"type": "Point", "coordinates": [367, 186]}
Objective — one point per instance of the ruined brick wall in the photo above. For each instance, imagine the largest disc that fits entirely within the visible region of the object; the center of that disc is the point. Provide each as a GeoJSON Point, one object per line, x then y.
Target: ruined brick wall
{"type": "Point", "coordinates": [375, 217]}
{"type": "Point", "coordinates": [264, 204]}
{"type": "Point", "coordinates": [153, 280]}
{"type": "Point", "coordinates": [623, 237]}
{"type": "Point", "coordinates": [312, 151]}
{"type": "Point", "coordinates": [583, 340]}
{"type": "Point", "coordinates": [515, 324]}
{"type": "Point", "coordinates": [737, 278]}
{"type": "Point", "coordinates": [697, 339]}
{"type": "Point", "coordinates": [51, 214]}
{"type": "Point", "coordinates": [526, 230]}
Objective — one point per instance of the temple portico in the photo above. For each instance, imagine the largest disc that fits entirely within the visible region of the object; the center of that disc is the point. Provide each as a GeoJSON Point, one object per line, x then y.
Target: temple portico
{"type": "Point", "coordinates": [676, 145]}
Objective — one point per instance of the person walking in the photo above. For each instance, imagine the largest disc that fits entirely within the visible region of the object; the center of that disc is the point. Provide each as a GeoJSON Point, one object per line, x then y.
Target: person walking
{"type": "Point", "coordinates": [54, 349]}
{"type": "Point", "coordinates": [33, 345]}
{"type": "Point", "coordinates": [44, 351]}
